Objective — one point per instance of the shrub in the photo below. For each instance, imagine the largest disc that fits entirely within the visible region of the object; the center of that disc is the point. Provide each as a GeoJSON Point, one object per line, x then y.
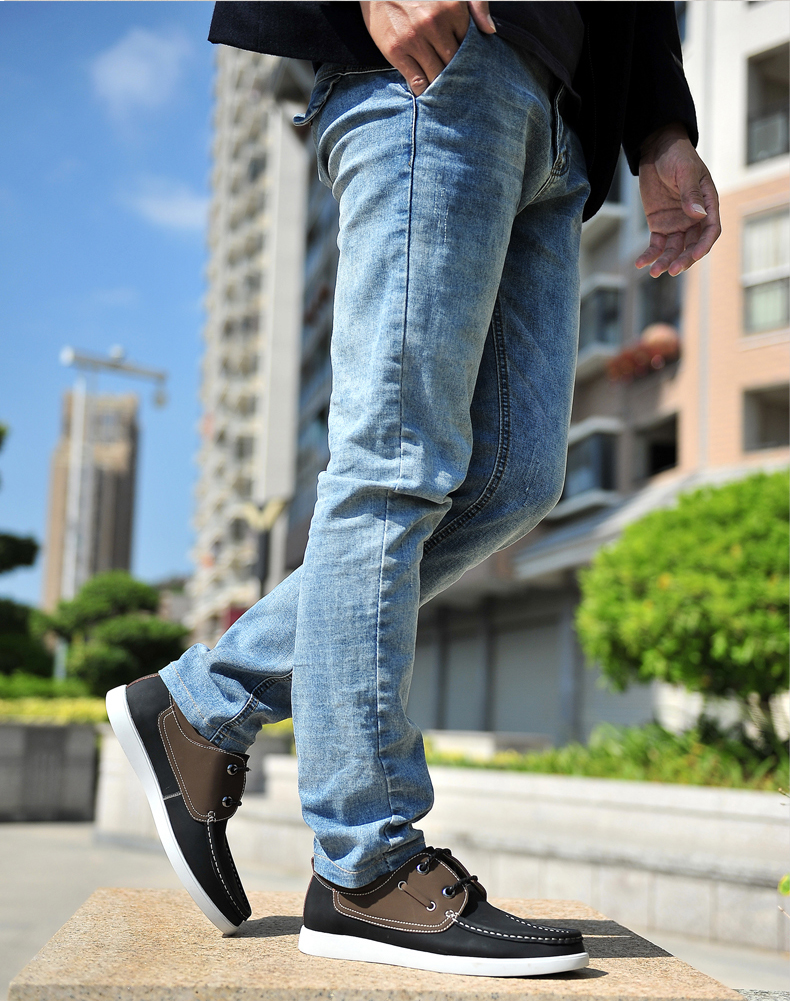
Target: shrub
{"type": "Point", "coordinates": [647, 754]}
{"type": "Point", "coordinates": [698, 595]}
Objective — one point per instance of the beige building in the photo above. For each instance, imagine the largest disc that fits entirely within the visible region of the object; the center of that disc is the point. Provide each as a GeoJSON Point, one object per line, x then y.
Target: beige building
{"type": "Point", "coordinates": [700, 394]}
{"type": "Point", "coordinates": [91, 492]}
{"type": "Point", "coordinates": [250, 368]}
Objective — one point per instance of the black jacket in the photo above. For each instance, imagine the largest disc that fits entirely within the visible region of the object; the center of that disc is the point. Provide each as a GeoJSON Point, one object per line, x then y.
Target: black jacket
{"type": "Point", "coordinates": [630, 77]}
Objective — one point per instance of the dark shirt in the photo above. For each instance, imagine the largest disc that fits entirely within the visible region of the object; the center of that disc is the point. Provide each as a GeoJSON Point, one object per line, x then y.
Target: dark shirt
{"type": "Point", "coordinates": [629, 78]}
{"type": "Point", "coordinates": [554, 32]}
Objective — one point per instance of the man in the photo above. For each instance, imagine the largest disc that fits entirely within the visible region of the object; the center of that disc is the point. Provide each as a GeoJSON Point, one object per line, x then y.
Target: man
{"type": "Point", "coordinates": [464, 143]}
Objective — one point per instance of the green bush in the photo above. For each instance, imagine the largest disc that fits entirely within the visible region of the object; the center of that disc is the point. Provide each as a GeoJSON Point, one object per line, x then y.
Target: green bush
{"type": "Point", "coordinates": [20, 685]}
{"type": "Point", "coordinates": [21, 649]}
{"type": "Point", "coordinates": [701, 756]}
{"type": "Point", "coordinates": [60, 711]}
{"type": "Point", "coordinates": [122, 649]}
{"type": "Point", "coordinates": [697, 595]}
{"type": "Point", "coordinates": [113, 635]}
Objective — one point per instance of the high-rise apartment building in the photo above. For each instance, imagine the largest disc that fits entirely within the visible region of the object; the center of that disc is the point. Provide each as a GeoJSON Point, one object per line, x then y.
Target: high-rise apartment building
{"type": "Point", "coordinates": [679, 382]}
{"type": "Point", "coordinates": [250, 368]}
{"type": "Point", "coordinates": [91, 492]}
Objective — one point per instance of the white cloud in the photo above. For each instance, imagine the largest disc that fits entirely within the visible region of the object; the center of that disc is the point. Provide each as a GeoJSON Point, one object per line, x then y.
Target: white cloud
{"type": "Point", "coordinates": [170, 204]}
{"type": "Point", "coordinates": [140, 72]}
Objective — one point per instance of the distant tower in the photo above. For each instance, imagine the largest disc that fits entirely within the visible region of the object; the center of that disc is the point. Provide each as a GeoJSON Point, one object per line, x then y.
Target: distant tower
{"type": "Point", "coordinates": [91, 494]}
{"type": "Point", "coordinates": [250, 369]}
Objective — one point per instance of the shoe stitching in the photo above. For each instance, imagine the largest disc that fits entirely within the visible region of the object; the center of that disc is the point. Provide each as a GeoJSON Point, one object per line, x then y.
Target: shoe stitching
{"type": "Point", "coordinates": [499, 934]}
{"type": "Point", "coordinates": [365, 893]}
{"type": "Point", "coordinates": [531, 924]}
{"type": "Point", "coordinates": [216, 863]}
{"type": "Point", "coordinates": [393, 923]}
{"type": "Point", "coordinates": [194, 812]}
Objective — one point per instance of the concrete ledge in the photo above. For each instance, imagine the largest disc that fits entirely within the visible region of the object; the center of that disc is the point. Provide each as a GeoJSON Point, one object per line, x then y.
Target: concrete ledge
{"type": "Point", "coordinates": [154, 945]}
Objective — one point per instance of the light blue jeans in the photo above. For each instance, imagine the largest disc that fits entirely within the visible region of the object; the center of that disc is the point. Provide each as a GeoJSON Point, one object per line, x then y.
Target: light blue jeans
{"type": "Point", "coordinates": [453, 355]}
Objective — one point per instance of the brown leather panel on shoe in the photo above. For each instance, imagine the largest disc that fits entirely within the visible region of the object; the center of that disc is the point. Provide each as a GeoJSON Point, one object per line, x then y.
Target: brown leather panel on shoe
{"type": "Point", "coordinates": [206, 775]}
{"type": "Point", "coordinates": [408, 900]}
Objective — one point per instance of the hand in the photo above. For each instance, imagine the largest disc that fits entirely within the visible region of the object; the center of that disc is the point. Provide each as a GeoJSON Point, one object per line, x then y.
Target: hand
{"type": "Point", "coordinates": [420, 39]}
{"type": "Point", "coordinates": [680, 201]}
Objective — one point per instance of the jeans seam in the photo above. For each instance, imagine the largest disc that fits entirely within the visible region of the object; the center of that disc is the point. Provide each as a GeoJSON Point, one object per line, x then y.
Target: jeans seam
{"type": "Point", "coordinates": [250, 706]}
{"type": "Point", "coordinates": [407, 278]}
{"type": "Point", "coordinates": [503, 445]}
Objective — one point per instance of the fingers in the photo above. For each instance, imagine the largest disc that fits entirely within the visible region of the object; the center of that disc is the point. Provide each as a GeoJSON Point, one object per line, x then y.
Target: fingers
{"type": "Point", "coordinates": [482, 17]}
{"type": "Point", "coordinates": [418, 68]}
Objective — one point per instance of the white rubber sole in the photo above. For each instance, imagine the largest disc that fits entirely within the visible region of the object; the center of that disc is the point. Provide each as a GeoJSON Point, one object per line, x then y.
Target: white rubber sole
{"type": "Point", "coordinates": [363, 950]}
{"type": "Point", "coordinates": [133, 748]}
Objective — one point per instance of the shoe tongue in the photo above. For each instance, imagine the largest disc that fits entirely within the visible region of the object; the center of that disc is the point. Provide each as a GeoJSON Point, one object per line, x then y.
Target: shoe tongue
{"type": "Point", "coordinates": [476, 890]}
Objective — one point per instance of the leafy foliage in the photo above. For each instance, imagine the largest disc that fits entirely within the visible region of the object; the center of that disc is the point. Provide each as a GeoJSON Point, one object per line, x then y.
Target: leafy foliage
{"type": "Point", "coordinates": [21, 685]}
{"type": "Point", "coordinates": [696, 595]}
{"type": "Point", "coordinates": [122, 649]}
{"type": "Point", "coordinates": [59, 710]}
{"type": "Point", "coordinates": [17, 551]}
{"type": "Point", "coordinates": [104, 596]}
{"type": "Point", "coordinates": [646, 754]}
{"type": "Point", "coordinates": [113, 636]}
{"type": "Point", "coordinates": [20, 648]}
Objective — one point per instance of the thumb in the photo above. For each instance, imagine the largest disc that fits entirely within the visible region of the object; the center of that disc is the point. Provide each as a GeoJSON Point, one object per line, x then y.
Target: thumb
{"type": "Point", "coordinates": [691, 196]}
{"type": "Point", "coordinates": [481, 17]}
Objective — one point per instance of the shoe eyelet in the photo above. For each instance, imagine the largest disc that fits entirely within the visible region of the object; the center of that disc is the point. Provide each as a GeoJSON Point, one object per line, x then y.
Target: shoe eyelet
{"type": "Point", "coordinates": [423, 867]}
{"type": "Point", "coordinates": [232, 769]}
{"type": "Point", "coordinates": [402, 884]}
{"type": "Point", "coordinates": [448, 891]}
{"type": "Point", "coordinates": [227, 802]}
{"type": "Point", "coordinates": [432, 907]}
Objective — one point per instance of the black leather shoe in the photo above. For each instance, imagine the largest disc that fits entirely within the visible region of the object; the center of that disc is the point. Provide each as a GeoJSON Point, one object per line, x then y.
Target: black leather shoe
{"type": "Point", "coordinates": [193, 788]}
{"type": "Point", "coordinates": [431, 914]}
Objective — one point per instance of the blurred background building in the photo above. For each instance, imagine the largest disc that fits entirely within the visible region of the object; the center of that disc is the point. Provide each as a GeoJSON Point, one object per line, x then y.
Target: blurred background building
{"type": "Point", "coordinates": [250, 366]}
{"type": "Point", "coordinates": [91, 492]}
{"type": "Point", "coordinates": [680, 382]}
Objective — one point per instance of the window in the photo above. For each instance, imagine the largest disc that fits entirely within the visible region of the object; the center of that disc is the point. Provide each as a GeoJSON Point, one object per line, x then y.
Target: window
{"type": "Point", "coordinates": [657, 448]}
{"type": "Point", "coordinates": [244, 447]}
{"type": "Point", "coordinates": [766, 272]}
{"type": "Point", "coordinates": [600, 318]}
{"type": "Point", "coordinates": [591, 465]}
{"type": "Point", "coordinates": [766, 418]}
{"type": "Point", "coordinates": [768, 103]}
{"type": "Point", "coordinates": [659, 301]}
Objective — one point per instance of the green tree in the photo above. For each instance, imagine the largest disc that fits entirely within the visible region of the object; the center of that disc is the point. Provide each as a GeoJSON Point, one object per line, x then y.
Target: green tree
{"type": "Point", "coordinates": [697, 595]}
{"type": "Point", "coordinates": [21, 648]}
{"type": "Point", "coordinates": [113, 635]}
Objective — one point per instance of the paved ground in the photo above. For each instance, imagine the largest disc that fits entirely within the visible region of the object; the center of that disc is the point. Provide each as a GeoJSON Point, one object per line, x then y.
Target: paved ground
{"type": "Point", "coordinates": [48, 870]}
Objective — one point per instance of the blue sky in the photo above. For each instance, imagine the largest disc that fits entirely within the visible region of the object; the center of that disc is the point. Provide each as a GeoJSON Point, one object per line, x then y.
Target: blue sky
{"type": "Point", "coordinates": [105, 116]}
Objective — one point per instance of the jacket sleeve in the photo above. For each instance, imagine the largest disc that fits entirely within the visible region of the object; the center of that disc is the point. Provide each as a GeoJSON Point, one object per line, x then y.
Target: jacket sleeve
{"type": "Point", "coordinates": [658, 93]}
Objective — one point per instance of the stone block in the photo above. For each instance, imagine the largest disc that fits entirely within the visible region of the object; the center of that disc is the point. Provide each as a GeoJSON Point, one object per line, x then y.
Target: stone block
{"type": "Point", "coordinates": [47, 772]}
{"type": "Point", "coordinates": [625, 894]}
{"type": "Point", "coordinates": [747, 915]}
{"type": "Point", "coordinates": [682, 905]}
{"type": "Point", "coordinates": [154, 945]}
{"type": "Point", "coordinates": [563, 879]}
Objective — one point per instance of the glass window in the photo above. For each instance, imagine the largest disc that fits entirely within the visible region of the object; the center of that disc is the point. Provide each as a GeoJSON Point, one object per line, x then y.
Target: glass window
{"type": "Point", "coordinates": [768, 103]}
{"type": "Point", "coordinates": [766, 272]}
{"type": "Point", "coordinates": [600, 319]}
{"type": "Point", "coordinates": [591, 465]}
{"type": "Point", "coordinates": [766, 418]}
{"type": "Point", "coordinates": [659, 301]}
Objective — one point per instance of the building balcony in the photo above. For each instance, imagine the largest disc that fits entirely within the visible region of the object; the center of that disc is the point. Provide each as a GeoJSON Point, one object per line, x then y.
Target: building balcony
{"type": "Point", "coordinates": [603, 224]}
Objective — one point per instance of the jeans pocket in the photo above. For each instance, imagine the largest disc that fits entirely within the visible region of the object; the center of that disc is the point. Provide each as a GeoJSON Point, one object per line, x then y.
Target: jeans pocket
{"type": "Point", "coordinates": [467, 43]}
{"type": "Point", "coordinates": [559, 139]}
{"type": "Point", "coordinates": [325, 80]}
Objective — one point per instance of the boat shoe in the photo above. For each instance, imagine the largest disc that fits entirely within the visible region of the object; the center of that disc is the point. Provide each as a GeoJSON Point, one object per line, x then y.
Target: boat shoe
{"type": "Point", "coordinates": [193, 789]}
{"type": "Point", "coordinates": [431, 914]}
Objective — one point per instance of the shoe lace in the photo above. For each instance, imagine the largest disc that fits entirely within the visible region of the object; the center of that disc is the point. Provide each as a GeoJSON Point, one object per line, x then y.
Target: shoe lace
{"type": "Point", "coordinates": [440, 854]}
